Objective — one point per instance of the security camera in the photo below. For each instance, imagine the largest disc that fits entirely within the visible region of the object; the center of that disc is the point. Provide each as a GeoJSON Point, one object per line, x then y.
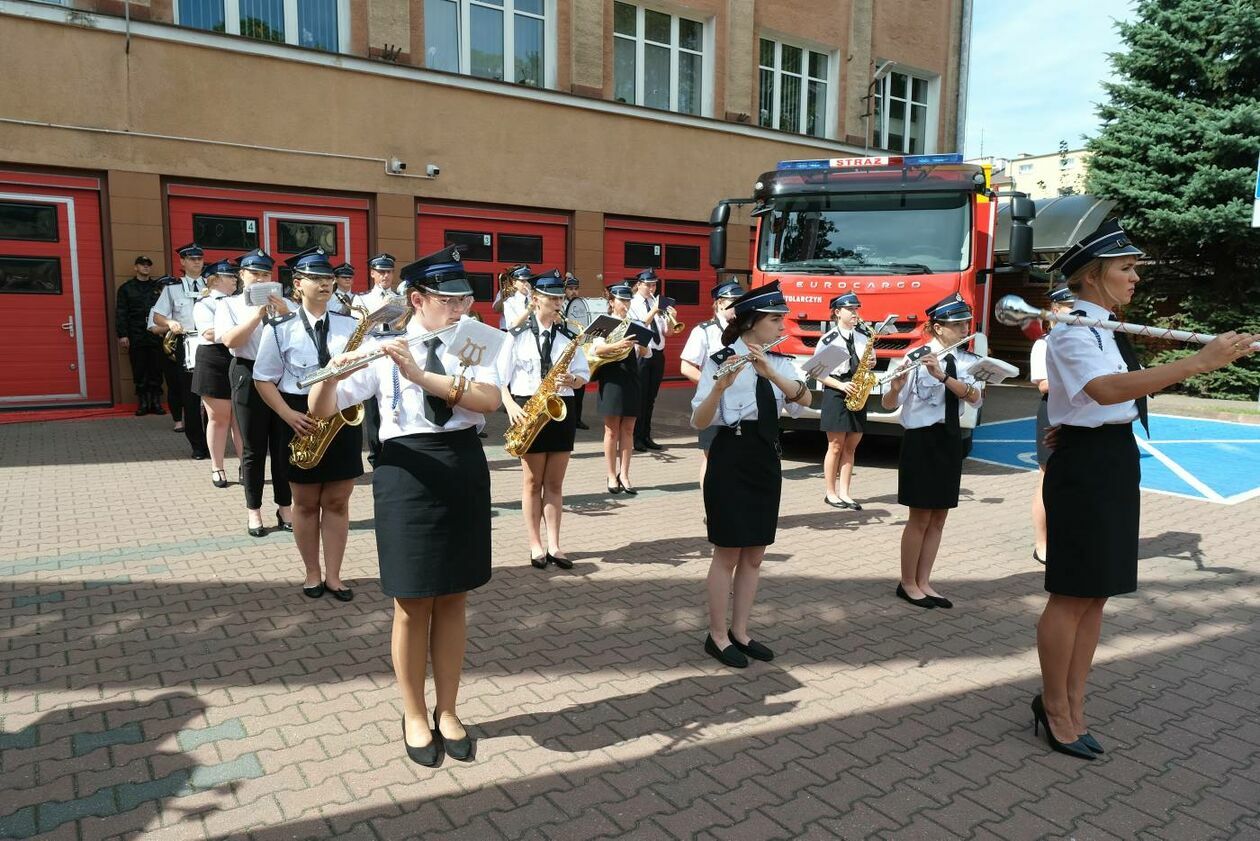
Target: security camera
{"type": "Point", "coordinates": [432, 170]}
{"type": "Point", "coordinates": [396, 166]}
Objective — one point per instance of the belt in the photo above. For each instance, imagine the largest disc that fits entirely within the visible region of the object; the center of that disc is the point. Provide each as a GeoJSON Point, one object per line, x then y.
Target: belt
{"type": "Point", "coordinates": [741, 428]}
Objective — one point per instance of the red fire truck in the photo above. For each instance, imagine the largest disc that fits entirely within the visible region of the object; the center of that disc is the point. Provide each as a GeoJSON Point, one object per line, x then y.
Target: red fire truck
{"type": "Point", "coordinates": [901, 232]}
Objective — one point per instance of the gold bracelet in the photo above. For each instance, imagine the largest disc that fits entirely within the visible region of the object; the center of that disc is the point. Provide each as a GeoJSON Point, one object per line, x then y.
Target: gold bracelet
{"type": "Point", "coordinates": [970, 388]}
{"type": "Point", "coordinates": [458, 385]}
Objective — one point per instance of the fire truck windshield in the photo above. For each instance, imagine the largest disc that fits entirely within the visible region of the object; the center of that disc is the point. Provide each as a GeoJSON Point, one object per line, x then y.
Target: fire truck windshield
{"type": "Point", "coordinates": [867, 233]}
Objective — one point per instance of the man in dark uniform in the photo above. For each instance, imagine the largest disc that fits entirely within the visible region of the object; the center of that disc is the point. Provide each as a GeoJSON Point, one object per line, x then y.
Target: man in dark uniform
{"type": "Point", "coordinates": [131, 314]}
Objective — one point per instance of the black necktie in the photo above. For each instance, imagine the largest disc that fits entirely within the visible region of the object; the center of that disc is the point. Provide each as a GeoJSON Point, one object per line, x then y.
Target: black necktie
{"type": "Point", "coordinates": [767, 411]}
{"type": "Point", "coordinates": [546, 350]}
{"type": "Point", "coordinates": [436, 409]}
{"type": "Point", "coordinates": [321, 340]}
{"type": "Point", "coordinates": [853, 359]}
{"type": "Point", "coordinates": [951, 399]}
{"type": "Point", "coordinates": [1131, 362]}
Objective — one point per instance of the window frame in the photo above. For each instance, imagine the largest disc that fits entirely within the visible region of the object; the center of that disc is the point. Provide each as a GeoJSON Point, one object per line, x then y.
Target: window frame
{"type": "Point", "coordinates": [832, 80]}
{"type": "Point", "coordinates": [641, 42]}
{"type": "Point", "coordinates": [879, 107]}
{"type": "Point", "coordinates": [232, 23]}
{"type": "Point", "coordinates": [463, 28]}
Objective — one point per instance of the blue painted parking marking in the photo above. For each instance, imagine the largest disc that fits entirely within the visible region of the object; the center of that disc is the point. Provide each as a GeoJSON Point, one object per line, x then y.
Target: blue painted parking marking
{"type": "Point", "coordinates": [1208, 460]}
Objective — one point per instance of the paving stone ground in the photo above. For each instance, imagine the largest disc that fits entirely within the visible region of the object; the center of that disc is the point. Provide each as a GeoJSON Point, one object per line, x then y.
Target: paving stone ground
{"type": "Point", "coordinates": [164, 678]}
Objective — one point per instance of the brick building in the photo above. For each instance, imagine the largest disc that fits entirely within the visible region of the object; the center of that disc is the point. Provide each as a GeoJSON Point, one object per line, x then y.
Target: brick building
{"type": "Point", "coordinates": [588, 135]}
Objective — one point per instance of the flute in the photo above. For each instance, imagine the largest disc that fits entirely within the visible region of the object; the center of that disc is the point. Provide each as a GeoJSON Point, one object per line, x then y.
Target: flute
{"type": "Point", "coordinates": [915, 363]}
{"type": "Point", "coordinates": [1014, 311]}
{"type": "Point", "coordinates": [330, 370]}
{"type": "Point", "coordinates": [738, 362]}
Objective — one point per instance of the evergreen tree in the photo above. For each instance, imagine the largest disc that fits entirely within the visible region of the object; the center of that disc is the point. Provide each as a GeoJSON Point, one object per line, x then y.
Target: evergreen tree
{"type": "Point", "coordinates": [1177, 151]}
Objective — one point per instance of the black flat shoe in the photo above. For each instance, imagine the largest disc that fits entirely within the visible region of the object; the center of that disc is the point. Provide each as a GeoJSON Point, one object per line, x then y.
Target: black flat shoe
{"type": "Point", "coordinates": [280, 523]}
{"type": "Point", "coordinates": [627, 488]}
{"type": "Point", "coordinates": [461, 749]}
{"type": "Point", "coordinates": [856, 506]}
{"type": "Point", "coordinates": [540, 562]}
{"type": "Point", "coordinates": [256, 531]}
{"type": "Point", "coordinates": [1090, 742]}
{"type": "Point", "coordinates": [563, 563]}
{"type": "Point", "coordinates": [615, 490]}
{"type": "Point", "coordinates": [941, 601]}
{"type": "Point", "coordinates": [200, 456]}
{"type": "Point", "coordinates": [218, 478]}
{"type": "Point", "coordinates": [729, 656]}
{"type": "Point", "coordinates": [754, 649]}
{"type": "Point", "coordinates": [1038, 558]}
{"type": "Point", "coordinates": [652, 445]}
{"type": "Point", "coordinates": [839, 503]}
{"type": "Point", "coordinates": [427, 755]}
{"type": "Point", "coordinates": [640, 448]}
{"type": "Point", "coordinates": [314, 592]}
{"type": "Point", "coordinates": [923, 602]}
{"type": "Point", "coordinates": [345, 594]}
{"type": "Point", "coordinates": [581, 425]}
{"type": "Point", "coordinates": [1077, 748]}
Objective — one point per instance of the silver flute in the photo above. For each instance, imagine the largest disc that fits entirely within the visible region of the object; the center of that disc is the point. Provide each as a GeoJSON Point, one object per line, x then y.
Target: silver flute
{"type": "Point", "coordinates": [331, 370]}
{"type": "Point", "coordinates": [910, 366]}
{"type": "Point", "coordinates": [735, 363]}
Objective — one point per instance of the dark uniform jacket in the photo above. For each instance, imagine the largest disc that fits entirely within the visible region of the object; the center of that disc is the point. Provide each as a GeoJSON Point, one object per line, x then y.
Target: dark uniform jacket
{"type": "Point", "coordinates": [135, 299]}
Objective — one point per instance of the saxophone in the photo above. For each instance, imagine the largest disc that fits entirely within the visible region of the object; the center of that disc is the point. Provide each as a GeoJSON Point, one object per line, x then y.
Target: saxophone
{"type": "Point", "coordinates": [545, 405]}
{"type": "Point", "coordinates": [863, 378]}
{"type": "Point", "coordinates": [305, 451]}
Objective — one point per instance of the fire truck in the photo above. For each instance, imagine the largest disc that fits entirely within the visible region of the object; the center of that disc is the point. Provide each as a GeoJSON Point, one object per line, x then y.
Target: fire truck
{"type": "Point", "coordinates": [901, 232]}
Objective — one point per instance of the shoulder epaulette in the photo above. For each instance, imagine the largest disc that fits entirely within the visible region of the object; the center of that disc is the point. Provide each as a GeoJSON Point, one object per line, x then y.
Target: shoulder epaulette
{"type": "Point", "coordinates": [830, 337]}
{"type": "Point", "coordinates": [710, 323]}
{"type": "Point", "coordinates": [722, 355]}
{"type": "Point", "coordinates": [342, 314]}
{"type": "Point", "coordinates": [174, 281]}
{"type": "Point", "coordinates": [918, 353]}
{"type": "Point", "coordinates": [519, 329]}
{"type": "Point", "coordinates": [280, 319]}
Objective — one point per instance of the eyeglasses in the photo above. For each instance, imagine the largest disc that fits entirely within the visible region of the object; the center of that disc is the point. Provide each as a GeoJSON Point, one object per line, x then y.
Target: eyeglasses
{"type": "Point", "coordinates": [451, 301]}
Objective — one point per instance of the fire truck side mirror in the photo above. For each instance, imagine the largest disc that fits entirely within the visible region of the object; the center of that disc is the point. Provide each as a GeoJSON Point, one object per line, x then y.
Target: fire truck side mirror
{"type": "Point", "coordinates": [717, 246]}
{"type": "Point", "coordinates": [1023, 211]}
{"type": "Point", "coordinates": [721, 214]}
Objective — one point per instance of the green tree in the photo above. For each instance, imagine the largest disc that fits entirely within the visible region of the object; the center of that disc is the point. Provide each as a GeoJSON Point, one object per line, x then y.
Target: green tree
{"type": "Point", "coordinates": [1177, 151]}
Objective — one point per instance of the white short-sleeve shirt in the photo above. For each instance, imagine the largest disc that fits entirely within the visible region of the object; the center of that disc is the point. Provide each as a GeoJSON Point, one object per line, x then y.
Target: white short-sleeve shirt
{"type": "Point", "coordinates": [176, 302]}
{"type": "Point", "coordinates": [739, 401]}
{"type": "Point", "coordinates": [233, 311]}
{"type": "Point", "coordinates": [705, 338]}
{"type": "Point", "coordinates": [1037, 361]}
{"type": "Point", "coordinates": [639, 309]}
{"type": "Point", "coordinates": [1075, 356]}
{"type": "Point", "coordinates": [520, 363]}
{"type": "Point", "coordinates": [286, 354]}
{"type": "Point", "coordinates": [922, 398]}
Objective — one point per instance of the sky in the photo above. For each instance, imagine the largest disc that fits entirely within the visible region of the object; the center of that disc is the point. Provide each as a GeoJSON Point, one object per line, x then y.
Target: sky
{"type": "Point", "coordinates": [1036, 73]}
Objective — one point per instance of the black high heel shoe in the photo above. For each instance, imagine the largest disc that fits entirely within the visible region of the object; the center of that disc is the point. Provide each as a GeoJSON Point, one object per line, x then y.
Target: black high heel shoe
{"type": "Point", "coordinates": [1090, 742]}
{"type": "Point", "coordinates": [617, 489]}
{"type": "Point", "coordinates": [461, 749]}
{"type": "Point", "coordinates": [280, 523]}
{"type": "Point", "coordinates": [427, 755]}
{"type": "Point", "coordinates": [626, 487]}
{"type": "Point", "coordinates": [1077, 748]}
{"type": "Point", "coordinates": [218, 478]}
{"type": "Point", "coordinates": [256, 531]}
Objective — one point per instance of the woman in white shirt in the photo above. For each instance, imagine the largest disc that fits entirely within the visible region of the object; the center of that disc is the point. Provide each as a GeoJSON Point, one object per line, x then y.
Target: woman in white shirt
{"type": "Point", "coordinates": [210, 373]}
{"type": "Point", "coordinates": [706, 338]}
{"type": "Point", "coordinates": [929, 473]}
{"type": "Point", "coordinates": [744, 479]}
{"type": "Point", "coordinates": [1091, 491]}
{"type": "Point", "coordinates": [292, 348]}
{"type": "Point", "coordinates": [526, 358]}
{"type": "Point", "coordinates": [844, 428]}
{"type": "Point", "coordinates": [432, 492]}
{"type": "Point", "coordinates": [1061, 300]}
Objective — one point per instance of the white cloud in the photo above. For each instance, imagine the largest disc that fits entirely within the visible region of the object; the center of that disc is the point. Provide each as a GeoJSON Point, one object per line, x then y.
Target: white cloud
{"type": "Point", "coordinates": [1036, 72]}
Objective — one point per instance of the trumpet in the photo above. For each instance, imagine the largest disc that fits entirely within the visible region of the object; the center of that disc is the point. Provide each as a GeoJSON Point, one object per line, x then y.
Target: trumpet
{"type": "Point", "coordinates": [918, 361]}
{"type": "Point", "coordinates": [330, 370]}
{"type": "Point", "coordinates": [1014, 311]}
{"type": "Point", "coordinates": [675, 326]}
{"type": "Point", "coordinates": [736, 363]}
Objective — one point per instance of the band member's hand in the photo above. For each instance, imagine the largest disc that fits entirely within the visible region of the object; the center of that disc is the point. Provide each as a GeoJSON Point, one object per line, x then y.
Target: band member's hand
{"type": "Point", "coordinates": [399, 351]}
{"type": "Point", "coordinates": [760, 362]}
{"type": "Point", "coordinates": [624, 344]}
{"type": "Point", "coordinates": [124, 343]}
{"type": "Point", "coordinates": [933, 366]}
{"type": "Point", "coordinates": [724, 382]}
{"type": "Point", "coordinates": [342, 360]}
{"type": "Point", "coordinates": [277, 304]}
{"type": "Point", "coordinates": [301, 424]}
{"type": "Point", "coordinates": [898, 382]}
{"type": "Point", "coordinates": [1051, 438]}
{"type": "Point", "coordinates": [1226, 349]}
{"type": "Point", "coordinates": [845, 388]}
{"type": "Point", "coordinates": [175, 327]}
{"type": "Point", "coordinates": [514, 412]}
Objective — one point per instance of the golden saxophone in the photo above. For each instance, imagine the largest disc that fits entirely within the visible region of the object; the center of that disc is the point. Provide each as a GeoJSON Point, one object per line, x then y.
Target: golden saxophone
{"type": "Point", "coordinates": [305, 451]}
{"type": "Point", "coordinates": [863, 379]}
{"type": "Point", "coordinates": [545, 405]}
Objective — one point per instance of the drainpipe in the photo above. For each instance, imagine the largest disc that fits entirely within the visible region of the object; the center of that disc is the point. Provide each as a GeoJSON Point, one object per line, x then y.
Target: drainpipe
{"type": "Point", "coordinates": [964, 70]}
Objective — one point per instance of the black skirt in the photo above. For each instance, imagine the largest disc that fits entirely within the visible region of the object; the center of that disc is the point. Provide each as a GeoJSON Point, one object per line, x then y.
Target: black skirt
{"type": "Point", "coordinates": [834, 416]}
{"type": "Point", "coordinates": [930, 470]}
{"type": "Point", "coordinates": [742, 486]}
{"type": "Point", "coordinates": [1043, 424]}
{"type": "Point", "coordinates": [620, 391]}
{"type": "Point", "coordinates": [555, 436]}
{"type": "Point", "coordinates": [1093, 506]}
{"type": "Point", "coordinates": [210, 373]}
{"type": "Point", "coordinates": [432, 497]}
{"type": "Point", "coordinates": [342, 460]}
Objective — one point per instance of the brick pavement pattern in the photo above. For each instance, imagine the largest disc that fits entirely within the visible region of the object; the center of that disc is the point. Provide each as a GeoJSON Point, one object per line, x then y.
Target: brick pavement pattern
{"type": "Point", "coordinates": [164, 678]}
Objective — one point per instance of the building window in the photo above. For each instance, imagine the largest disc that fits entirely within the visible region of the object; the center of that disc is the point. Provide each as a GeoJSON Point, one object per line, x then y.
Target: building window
{"type": "Point", "coordinates": [1024, 169]}
{"type": "Point", "coordinates": [902, 113]}
{"type": "Point", "coordinates": [504, 40]}
{"type": "Point", "coordinates": [658, 59]}
{"type": "Point", "coordinates": [320, 24]}
{"type": "Point", "coordinates": [793, 88]}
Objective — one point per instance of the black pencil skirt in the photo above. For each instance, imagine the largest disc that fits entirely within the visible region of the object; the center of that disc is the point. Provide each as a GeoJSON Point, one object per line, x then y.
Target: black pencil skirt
{"type": "Point", "coordinates": [834, 416]}
{"type": "Point", "coordinates": [210, 372]}
{"type": "Point", "coordinates": [342, 460]}
{"type": "Point", "coordinates": [555, 436]}
{"type": "Point", "coordinates": [930, 470]}
{"type": "Point", "coordinates": [1093, 506]}
{"type": "Point", "coordinates": [432, 496]}
{"type": "Point", "coordinates": [620, 390]}
{"type": "Point", "coordinates": [742, 486]}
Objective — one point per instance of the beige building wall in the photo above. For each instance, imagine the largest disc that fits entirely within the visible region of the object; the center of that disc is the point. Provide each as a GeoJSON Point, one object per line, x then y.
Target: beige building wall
{"type": "Point", "coordinates": [1047, 176]}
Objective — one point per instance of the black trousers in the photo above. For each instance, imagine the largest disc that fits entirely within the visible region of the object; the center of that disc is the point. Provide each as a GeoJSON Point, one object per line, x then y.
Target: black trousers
{"type": "Point", "coordinates": [372, 429]}
{"type": "Point", "coordinates": [263, 433]}
{"type": "Point", "coordinates": [174, 396]}
{"type": "Point", "coordinates": [194, 417]}
{"type": "Point", "coordinates": [146, 368]}
{"type": "Point", "coordinates": [651, 372]}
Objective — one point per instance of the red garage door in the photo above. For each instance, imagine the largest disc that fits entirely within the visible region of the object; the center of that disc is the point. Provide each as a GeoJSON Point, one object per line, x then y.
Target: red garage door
{"type": "Point", "coordinates": [679, 255]}
{"type": "Point", "coordinates": [494, 239]}
{"type": "Point", "coordinates": [228, 222]}
{"type": "Point", "coordinates": [52, 291]}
